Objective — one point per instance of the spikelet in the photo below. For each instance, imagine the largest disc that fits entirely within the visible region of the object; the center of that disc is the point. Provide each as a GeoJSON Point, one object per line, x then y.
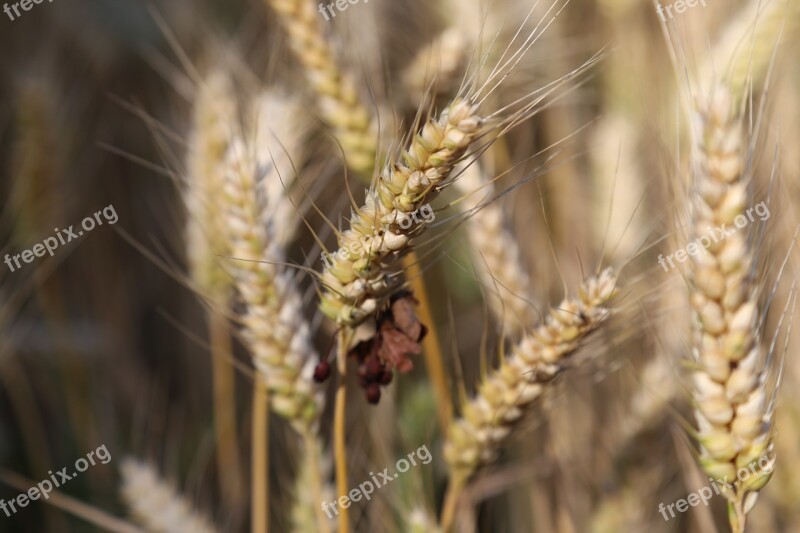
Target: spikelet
{"type": "Point", "coordinates": [496, 253]}
{"type": "Point", "coordinates": [523, 376]}
{"type": "Point", "coordinates": [277, 334]}
{"type": "Point", "coordinates": [731, 404]}
{"type": "Point", "coordinates": [337, 98]}
{"type": "Point", "coordinates": [214, 119]}
{"type": "Point", "coordinates": [155, 504]}
{"type": "Point", "coordinates": [357, 280]}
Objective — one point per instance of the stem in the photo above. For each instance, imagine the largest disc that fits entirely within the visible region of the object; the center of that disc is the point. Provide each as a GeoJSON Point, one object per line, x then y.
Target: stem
{"type": "Point", "coordinates": [340, 425]}
{"type": "Point", "coordinates": [454, 491]}
{"type": "Point", "coordinates": [313, 454]}
{"type": "Point", "coordinates": [738, 520]}
{"type": "Point", "coordinates": [430, 344]}
{"type": "Point", "coordinates": [259, 511]}
{"type": "Point", "coordinates": [229, 466]}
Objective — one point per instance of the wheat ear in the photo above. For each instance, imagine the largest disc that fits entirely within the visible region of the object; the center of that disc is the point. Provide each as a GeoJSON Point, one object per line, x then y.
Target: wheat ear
{"type": "Point", "coordinates": [276, 332]}
{"type": "Point", "coordinates": [278, 336]}
{"type": "Point", "coordinates": [731, 407]}
{"type": "Point", "coordinates": [496, 253]}
{"type": "Point", "coordinates": [280, 130]}
{"type": "Point", "coordinates": [746, 47]}
{"type": "Point", "coordinates": [442, 61]}
{"type": "Point", "coordinates": [215, 114]}
{"type": "Point", "coordinates": [337, 98]}
{"type": "Point", "coordinates": [357, 280]}
{"type": "Point", "coordinates": [523, 376]}
{"type": "Point", "coordinates": [155, 504]}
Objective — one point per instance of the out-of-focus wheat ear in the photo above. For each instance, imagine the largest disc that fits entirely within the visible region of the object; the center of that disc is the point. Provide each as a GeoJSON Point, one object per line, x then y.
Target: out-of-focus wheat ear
{"type": "Point", "coordinates": [524, 375]}
{"type": "Point", "coordinates": [315, 465]}
{"type": "Point", "coordinates": [155, 504]}
{"type": "Point", "coordinates": [619, 220]}
{"type": "Point", "coordinates": [213, 125]}
{"type": "Point", "coordinates": [35, 159]}
{"type": "Point", "coordinates": [337, 98]}
{"type": "Point", "coordinates": [441, 63]}
{"type": "Point", "coordinates": [276, 331]}
{"type": "Point", "coordinates": [731, 404]}
{"type": "Point", "coordinates": [279, 158]}
{"type": "Point", "coordinates": [274, 326]}
{"type": "Point", "coordinates": [650, 400]}
{"type": "Point", "coordinates": [746, 47]}
{"type": "Point", "coordinates": [420, 521]}
{"type": "Point", "coordinates": [496, 253]}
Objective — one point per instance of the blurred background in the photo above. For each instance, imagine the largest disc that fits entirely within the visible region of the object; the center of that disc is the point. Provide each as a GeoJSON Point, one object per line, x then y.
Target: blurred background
{"type": "Point", "coordinates": [106, 343]}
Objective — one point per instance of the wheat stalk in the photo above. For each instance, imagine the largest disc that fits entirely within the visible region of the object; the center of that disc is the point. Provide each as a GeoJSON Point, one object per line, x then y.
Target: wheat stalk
{"type": "Point", "coordinates": [155, 504]}
{"type": "Point", "coordinates": [734, 421]}
{"type": "Point", "coordinates": [523, 376]}
{"type": "Point", "coordinates": [337, 98]}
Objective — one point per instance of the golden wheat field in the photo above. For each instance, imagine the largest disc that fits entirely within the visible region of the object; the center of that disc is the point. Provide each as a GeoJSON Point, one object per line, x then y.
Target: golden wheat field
{"type": "Point", "coordinates": [400, 265]}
